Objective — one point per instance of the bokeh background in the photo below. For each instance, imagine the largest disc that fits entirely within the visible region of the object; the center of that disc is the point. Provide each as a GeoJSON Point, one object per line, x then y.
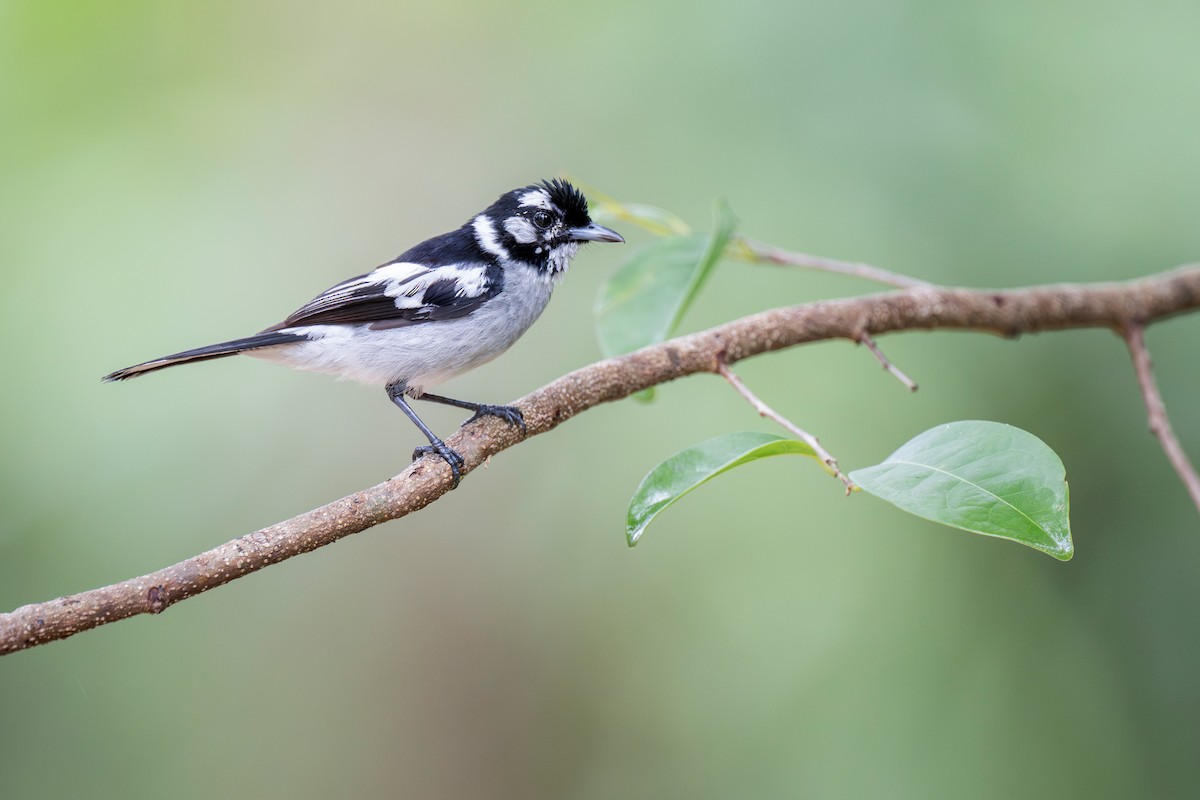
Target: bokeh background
{"type": "Point", "coordinates": [175, 173]}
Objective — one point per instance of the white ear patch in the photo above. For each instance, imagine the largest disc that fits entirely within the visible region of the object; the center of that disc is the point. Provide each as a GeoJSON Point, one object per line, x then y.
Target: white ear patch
{"type": "Point", "coordinates": [536, 198]}
{"type": "Point", "coordinates": [521, 229]}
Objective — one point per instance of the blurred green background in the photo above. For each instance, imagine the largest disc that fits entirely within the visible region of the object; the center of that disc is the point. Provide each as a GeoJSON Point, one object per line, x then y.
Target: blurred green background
{"type": "Point", "coordinates": [176, 173]}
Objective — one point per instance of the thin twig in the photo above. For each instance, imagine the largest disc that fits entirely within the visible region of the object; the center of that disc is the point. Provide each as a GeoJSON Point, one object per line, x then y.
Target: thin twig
{"type": "Point", "coordinates": [663, 223]}
{"type": "Point", "coordinates": [753, 250]}
{"type": "Point", "coordinates": [866, 340]}
{"type": "Point", "coordinates": [764, 410]}
{"type": "Point", "coordinates": [1156, 410]}
{"type": "Point", "coordinates": [1028, 310]}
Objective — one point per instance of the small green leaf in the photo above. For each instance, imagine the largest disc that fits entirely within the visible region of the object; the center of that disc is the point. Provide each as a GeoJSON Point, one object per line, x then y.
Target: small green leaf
{"type": "Point", "coordinates": [689, 468]}
{"type": "Point", "coordinates": [648, 295]}
{"type": "Point", "coordinates": [657, 221]}
{"type": "Point", "coordinates": [982, 477]}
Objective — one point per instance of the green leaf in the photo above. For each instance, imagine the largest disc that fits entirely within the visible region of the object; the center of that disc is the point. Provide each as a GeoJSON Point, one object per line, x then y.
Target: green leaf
{"type": "Point", "coordinates": [648, 295]}
{"type": "Point", "coordinates": [982, 477]}
{"type": "Point", "coordinates": [657, 221]}
{"type": "Point", "coordinates": [639, 303]}
{"type": "Point", "coordinates": [689, 468]}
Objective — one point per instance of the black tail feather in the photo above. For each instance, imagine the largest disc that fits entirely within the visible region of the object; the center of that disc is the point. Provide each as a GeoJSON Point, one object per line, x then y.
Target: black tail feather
{"type": "Point", "coordinates": [266, 339]}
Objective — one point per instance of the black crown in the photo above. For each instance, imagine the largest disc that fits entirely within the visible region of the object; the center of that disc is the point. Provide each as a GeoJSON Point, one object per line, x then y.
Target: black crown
{"type": "Point", "coordinates": [569, 199]}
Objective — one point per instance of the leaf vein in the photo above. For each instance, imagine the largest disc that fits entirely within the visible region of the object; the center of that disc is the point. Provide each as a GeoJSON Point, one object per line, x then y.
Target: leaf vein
{"type": "Point", "coordinates": [985, 491]}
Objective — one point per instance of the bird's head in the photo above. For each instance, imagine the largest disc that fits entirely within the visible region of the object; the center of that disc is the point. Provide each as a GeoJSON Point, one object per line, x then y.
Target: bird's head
{"type": "Point", "coordinates": [541, 225]}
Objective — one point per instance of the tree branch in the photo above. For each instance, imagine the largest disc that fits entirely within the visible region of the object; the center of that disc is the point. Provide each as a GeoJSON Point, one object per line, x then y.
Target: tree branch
{"type": "Point", "coordinates": [1115, 305]}
{"type": "Point", "coordinates": [1156, 411]}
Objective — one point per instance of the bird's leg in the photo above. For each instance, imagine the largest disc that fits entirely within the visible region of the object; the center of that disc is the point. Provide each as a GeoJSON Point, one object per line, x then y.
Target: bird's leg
{"type": "Point", "coordinates": [510, 414]}
{"type": "Point", "coordinates": [395, 391]}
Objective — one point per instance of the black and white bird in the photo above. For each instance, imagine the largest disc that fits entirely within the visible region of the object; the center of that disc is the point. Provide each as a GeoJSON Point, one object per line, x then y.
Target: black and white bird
{"type": "Point", "coordinates": [446, 306]}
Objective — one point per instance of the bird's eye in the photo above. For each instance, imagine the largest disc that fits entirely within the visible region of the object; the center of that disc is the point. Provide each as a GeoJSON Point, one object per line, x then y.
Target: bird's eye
{"type": "Point", "coordinates": [542, 219]}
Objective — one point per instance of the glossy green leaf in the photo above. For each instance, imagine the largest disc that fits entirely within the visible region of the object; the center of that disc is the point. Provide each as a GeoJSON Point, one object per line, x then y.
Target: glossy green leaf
{"type": "Point", "coordinates": [648, 295]}
{"type": "Point", "coordinates": [687, 469]}
{"type": "Point", "coordinates": [982, 477]}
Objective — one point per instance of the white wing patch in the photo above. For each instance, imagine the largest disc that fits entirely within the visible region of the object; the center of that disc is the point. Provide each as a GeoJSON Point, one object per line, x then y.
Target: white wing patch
{"type": "Point", "coordinates": [398, 272]}
{"type": "Point", "coordinates": [406, 283]}
{"type": "Point", "coordinates": [472, 281]}
{"type": "Point", "coordinates": [390, 275]}
{"type": "Point", "coordinates": [401, 293]}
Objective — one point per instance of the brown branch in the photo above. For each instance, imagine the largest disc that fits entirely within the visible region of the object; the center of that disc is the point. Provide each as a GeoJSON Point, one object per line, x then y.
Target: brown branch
{"type": "Point", "coordinates": [1156, 411]}
{"type": "Point", "coordinates": [764, 410]}
{"type": "Point", "coordinates": [1011, 313]}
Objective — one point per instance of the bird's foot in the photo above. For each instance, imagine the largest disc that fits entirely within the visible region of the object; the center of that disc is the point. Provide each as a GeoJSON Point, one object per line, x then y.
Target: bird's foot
{"type": "Point", "coordinates": [451, 457]}
{"type": "Point", "coordinates": [510, 414]}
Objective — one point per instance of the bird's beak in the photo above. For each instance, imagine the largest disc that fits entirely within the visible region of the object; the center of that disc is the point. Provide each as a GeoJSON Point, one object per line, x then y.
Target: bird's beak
{"type": "Point", "coordinates": [595, 233]}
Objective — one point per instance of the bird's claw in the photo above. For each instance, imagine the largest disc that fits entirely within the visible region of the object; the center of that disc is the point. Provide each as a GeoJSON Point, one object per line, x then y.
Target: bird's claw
{"type": "Point", "coordinates": [451, 457]}
{"type": "Point", "coordinates": [510, 414]}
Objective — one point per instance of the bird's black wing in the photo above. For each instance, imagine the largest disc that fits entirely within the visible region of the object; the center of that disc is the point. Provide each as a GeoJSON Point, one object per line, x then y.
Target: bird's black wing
{"type": "Point", "coordinates": [402, 293]}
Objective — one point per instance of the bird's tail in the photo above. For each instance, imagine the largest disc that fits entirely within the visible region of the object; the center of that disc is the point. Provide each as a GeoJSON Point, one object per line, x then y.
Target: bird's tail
{"type": "Point", "coordinates": [265, 339]}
